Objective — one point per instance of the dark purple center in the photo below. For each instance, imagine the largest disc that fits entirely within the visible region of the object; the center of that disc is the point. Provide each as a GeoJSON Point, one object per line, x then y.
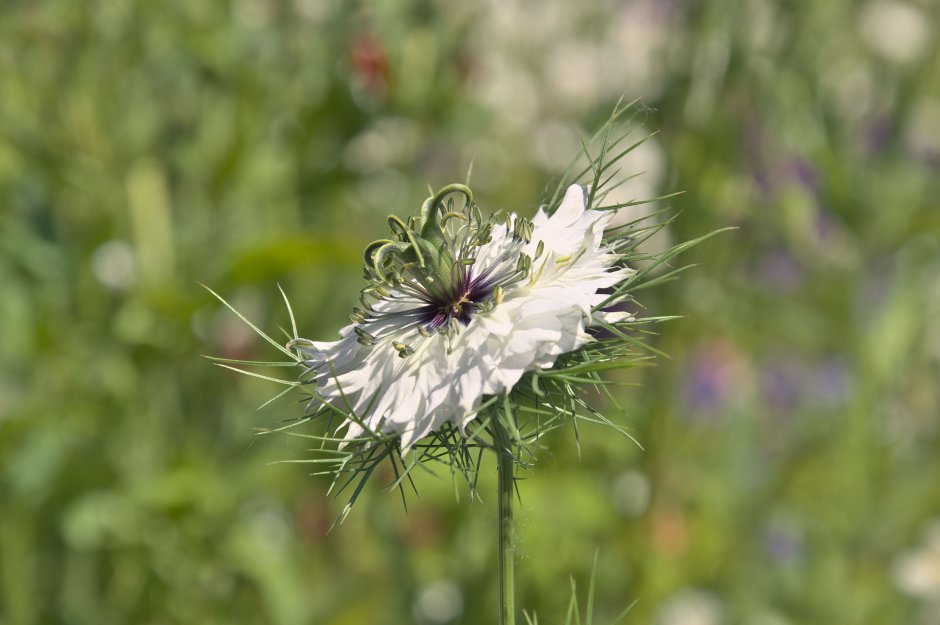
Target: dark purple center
{"type": "Point", "coordinates": [460, 301]}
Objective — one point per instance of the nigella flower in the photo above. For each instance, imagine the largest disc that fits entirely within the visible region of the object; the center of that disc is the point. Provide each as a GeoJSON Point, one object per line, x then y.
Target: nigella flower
{"type": "Point", "coordinates": [478, 333]}
{"type": "Point", "coordinates": [459, 307]}
{"type": "Point", "coordinates": [474, 334]}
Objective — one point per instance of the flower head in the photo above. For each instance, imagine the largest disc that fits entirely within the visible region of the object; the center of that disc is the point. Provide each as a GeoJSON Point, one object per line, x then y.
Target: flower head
{"type": "Point", "coordinates": [478, 333]}
{"type": "Point", "coordinates": [459, 307]}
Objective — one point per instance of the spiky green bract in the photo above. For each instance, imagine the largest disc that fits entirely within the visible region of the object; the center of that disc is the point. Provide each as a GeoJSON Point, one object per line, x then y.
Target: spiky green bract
{"type": "Point", "coordinates": [513, 423]}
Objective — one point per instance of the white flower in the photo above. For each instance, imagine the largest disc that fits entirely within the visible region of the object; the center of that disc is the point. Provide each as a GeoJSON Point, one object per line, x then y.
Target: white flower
{"type": "Point", "coordinates": [691, 607]}
{"type": "Point", "coordinates": [461, 308]}
{"type": "Point", "coordinates": [917, 572]}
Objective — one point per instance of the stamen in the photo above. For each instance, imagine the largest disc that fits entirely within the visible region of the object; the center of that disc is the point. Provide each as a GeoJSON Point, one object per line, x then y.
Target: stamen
{"type": "Point", "coordinates": [433, 276]}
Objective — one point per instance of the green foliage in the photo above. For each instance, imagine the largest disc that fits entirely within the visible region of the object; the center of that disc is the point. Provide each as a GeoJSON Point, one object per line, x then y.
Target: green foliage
{"type": "Point", "coordinates": [790, 444]}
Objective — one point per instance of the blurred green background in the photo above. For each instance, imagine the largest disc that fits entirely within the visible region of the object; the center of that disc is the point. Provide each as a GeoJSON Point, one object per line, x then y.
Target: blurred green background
{"type": "Point", "coordinates": [791, 471]}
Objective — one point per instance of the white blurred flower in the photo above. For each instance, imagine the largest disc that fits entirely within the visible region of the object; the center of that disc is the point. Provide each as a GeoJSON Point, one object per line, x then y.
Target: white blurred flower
{"type": "Point", "coordinates": [254, 13]}
{"type": "Point", "coordinates": [635, 52]}
{"type": "Point", "coordinates": [112, 264]}
{"type": "Point", "coordinates": [268, 523]}
{"type": "Point", "coordinates": [461, 307]}
{"type": "Point", "coordinates": [389, 141]}
{"type": "Point", "coordinates": [631, 493]}
{"type": "Point", "coordinates": [440, 602]}
{"type": "Point", "coordinates": [851, 86]}
{"type": "Point", "coordinates": [691, 607]}
{"type": "Point", "coordinates": [917, 572]}
{"type": "Point", "coordinates": [576, 67]}
{"type": "Point", "coordinates": [507, 87]}
{"type": "Point", "coordinates": [538, 57]}
{"type": "Point", "coordinates": [314, 11]}
{"type": "Point", "coordinates": [898, 31]}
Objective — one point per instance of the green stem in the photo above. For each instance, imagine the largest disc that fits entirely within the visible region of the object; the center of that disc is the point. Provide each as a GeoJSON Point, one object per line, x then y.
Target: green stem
{"type": "Point", "coordinates": [507, 539]}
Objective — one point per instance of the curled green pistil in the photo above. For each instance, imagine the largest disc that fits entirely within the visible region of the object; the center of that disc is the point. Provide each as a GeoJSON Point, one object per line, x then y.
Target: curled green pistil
{"type": "Point", "coordinates": [426, 276]}
{"type": "Point", "coordinates": [422, 247]}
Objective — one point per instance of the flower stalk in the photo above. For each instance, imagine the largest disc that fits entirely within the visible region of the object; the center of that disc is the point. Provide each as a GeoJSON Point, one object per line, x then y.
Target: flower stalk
{"type": "Point", "coordinates": [507, 538]}
{"type": "Point", "coordinates": [505, 440]}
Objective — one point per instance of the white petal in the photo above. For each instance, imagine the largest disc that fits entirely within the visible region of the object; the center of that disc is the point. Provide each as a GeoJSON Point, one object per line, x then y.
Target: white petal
{"type": "Point", "coordinates": [445, 379]}
{"type": "Point", "coordinates": [572, 205]}
{"type": "Point", "coordinates": [613, 316]}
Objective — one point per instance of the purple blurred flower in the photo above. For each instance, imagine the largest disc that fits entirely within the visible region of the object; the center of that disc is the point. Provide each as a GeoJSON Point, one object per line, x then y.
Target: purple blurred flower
{"type": "Point", "coordinates": [718, 374]}
{"type": "Point", "coordinates": [801, 170]}
{"type": "Point", "coordinates": [705, 386]}
{"type": "Point", "coordinates": [877, 134]}
{"type": "Point", "coordinates": [783, 381]}
{"type": "Point", "coordinates": [783, 543]}
{"type": "Point", "coordinates": [833, 382]}
{"type": "Point", "coordinates": [788, 382]}
{"type": "Point", "coordinates": [779, 271]}
{"type": "Point", "coordinates": [827, 226]}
